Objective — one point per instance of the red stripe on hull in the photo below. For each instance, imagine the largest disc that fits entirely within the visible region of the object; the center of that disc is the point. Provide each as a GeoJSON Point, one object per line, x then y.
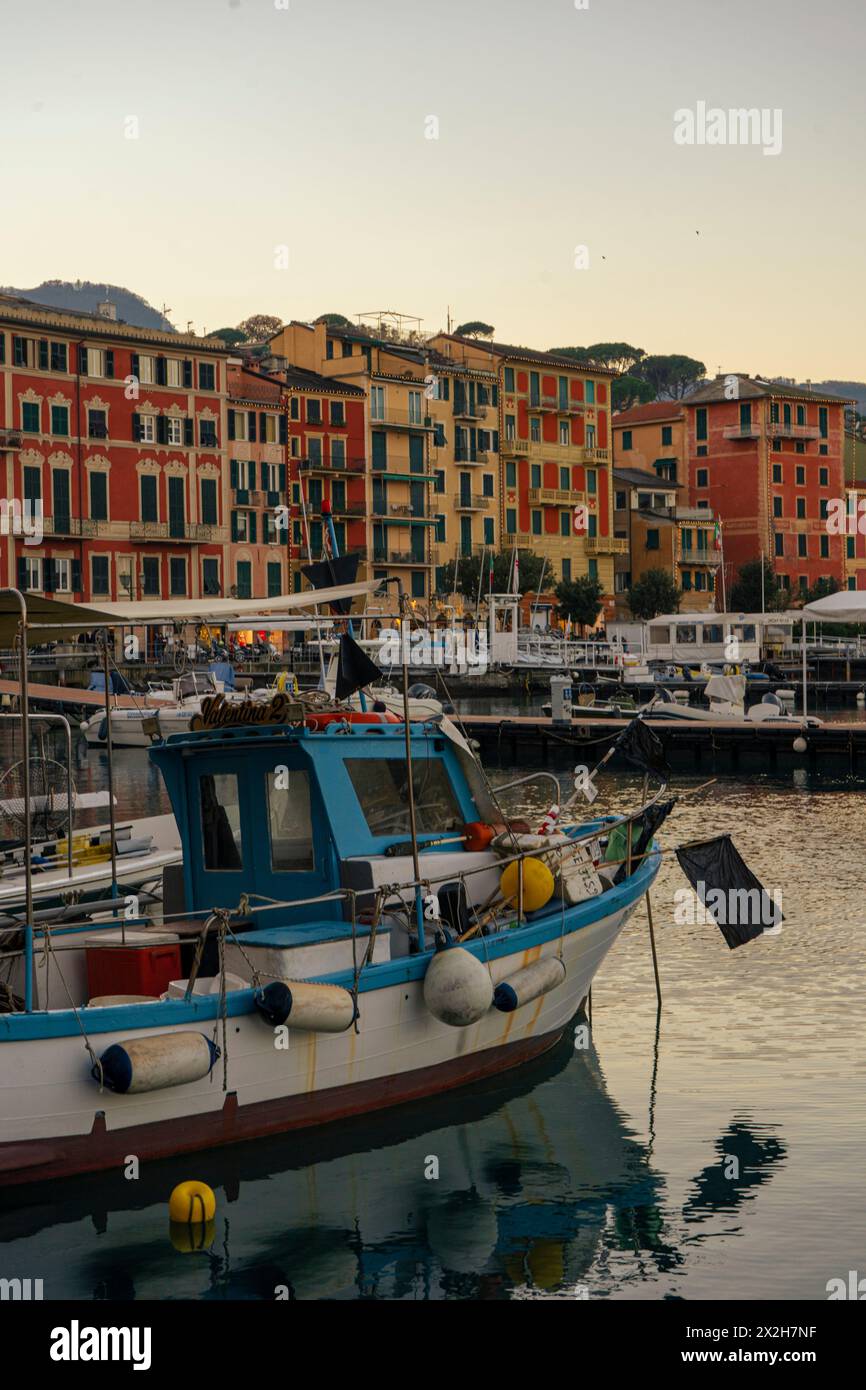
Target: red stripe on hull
{"type": "Point", "coordinates": [37, 1160]}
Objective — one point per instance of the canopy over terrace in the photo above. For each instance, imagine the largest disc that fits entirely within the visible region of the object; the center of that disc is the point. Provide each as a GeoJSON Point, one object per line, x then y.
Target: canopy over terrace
{"type": "Point", "coordinates": [52, 620]}
{"type": "Point", "coordinates": [846, 606]}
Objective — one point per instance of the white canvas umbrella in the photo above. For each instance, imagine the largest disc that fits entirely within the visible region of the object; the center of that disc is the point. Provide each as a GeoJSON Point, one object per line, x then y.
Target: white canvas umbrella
{"type": "Point", "coordinates": [846, 606]}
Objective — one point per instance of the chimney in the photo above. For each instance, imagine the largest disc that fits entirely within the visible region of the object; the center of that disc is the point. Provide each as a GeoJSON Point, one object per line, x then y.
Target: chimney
{"type": "Point", "coordinates": [106, 309]}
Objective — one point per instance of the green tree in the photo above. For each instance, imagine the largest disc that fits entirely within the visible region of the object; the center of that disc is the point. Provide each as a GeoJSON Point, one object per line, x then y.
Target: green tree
{"type": "Point", "coordinates": [671, 375]}
{"type": "Point", "coordinates": [475, 328]}
{"type": "Point", "coordinates": [655, 592]}
{"type": "Point", "coordinates": [469, 570]}
{"type": "Point", "coordinates": [628, 391]}
{"type": "Point", "coordinates": [230, 336]}
{"type": "Point", "coordinates": [258, 327]}
{"type": "Point", "coordinates": [580, 600]}
{"type": "Point", "coordinates": [617, 357]}
{"type": "Point", "coordinates": [746, 589]}
{"type": "Point", "coordinates": [335, 320]}
{"type": "Point", "coordinates": [820, 589]}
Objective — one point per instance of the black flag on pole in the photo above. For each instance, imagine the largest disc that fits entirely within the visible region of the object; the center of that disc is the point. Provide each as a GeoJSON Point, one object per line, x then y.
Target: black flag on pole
{"type": "Point", "coordinates": [737, 901]}
{"type": "Point", "coordinates": [639, 745]}
{"type": "Point", "coordinates": [329, 573]}
{"type": "Point", "coordinates": [354, 668]}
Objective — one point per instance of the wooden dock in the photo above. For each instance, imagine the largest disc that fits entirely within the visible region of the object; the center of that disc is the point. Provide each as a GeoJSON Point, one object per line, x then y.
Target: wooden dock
{"type": "Point", "coordinates": [701, 746]}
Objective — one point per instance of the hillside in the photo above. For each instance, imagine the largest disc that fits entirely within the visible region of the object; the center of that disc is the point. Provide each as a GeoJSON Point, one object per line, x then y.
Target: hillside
{"type": "Point", "coordinates": [84, 296]}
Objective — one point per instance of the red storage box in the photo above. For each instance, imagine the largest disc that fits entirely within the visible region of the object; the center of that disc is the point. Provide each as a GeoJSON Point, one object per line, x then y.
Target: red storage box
{"type": "Point", "coordinates": [144, 964]}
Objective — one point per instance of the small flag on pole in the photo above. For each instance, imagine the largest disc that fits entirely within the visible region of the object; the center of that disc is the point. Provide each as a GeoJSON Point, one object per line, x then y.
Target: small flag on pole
{"type": "Point", "coordinates": [717, 535]}
{"type": "Point", "coordinates": [737, 901]}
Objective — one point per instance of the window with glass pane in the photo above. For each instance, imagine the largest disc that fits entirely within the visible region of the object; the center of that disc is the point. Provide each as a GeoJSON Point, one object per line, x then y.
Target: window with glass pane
{"type": "Point", "coordinates": [290, 823]}
{"type": "Point", "coordinates": [221, 821]}
{"type": "Point", "coordinates": [382, 788]}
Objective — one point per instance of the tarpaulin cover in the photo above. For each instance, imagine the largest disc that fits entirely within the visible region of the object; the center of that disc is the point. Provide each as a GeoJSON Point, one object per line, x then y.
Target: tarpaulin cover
{"type": "Point", "coordinates": [736, 900]}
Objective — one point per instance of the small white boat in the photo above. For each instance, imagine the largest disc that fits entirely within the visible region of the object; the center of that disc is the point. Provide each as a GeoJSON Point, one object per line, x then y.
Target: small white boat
{"type": "Point", "coordinates": [163, 712]}
{"type": "Point", "coordinates": [726, 695]}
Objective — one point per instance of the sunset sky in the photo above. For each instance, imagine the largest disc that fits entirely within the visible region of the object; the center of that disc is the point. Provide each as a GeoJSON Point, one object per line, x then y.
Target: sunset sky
{"type": "Point", "coordinates": [261, 127]}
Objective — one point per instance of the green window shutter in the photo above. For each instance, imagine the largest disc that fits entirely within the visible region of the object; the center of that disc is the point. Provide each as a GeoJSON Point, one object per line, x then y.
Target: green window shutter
{"type": "Point", "coordinates": [231, 424]}
{"type": "Point", "coordinates": [233, 473]}
{"type": "Point", "coordinates": [234, 526]}
{"type": "Point", "coordinates": [251, 426]}
{"type": "Point", "coordinates": [252, 524]}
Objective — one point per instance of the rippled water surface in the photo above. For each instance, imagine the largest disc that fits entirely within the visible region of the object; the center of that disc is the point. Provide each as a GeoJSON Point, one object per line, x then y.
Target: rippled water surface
{"type": "Point", "coordinates": [719, 1154]}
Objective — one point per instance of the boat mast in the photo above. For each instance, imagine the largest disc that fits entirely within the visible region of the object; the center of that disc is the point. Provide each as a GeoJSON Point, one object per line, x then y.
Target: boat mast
{"type": "Point", "coordinates": [410, 786]}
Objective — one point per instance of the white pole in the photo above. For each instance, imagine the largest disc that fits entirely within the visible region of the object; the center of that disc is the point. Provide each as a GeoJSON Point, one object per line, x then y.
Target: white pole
{"type": "Point", "coordinates": [804, 667]}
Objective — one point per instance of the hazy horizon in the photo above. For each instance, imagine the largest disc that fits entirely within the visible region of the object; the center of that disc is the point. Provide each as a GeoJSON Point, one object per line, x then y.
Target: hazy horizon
{"type": "Point", "coordinates": [265, 136]}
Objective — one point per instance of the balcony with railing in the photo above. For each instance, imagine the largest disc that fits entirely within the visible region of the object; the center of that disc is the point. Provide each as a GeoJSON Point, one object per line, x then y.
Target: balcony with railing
{"type": "Point", "coordinates": [554, 496]}
{"type": "Point", "coordinates": [591, 454]}
{"type": "Point", "coordinates": [321, 465]}
{"type": "Point", "coordinates": [10, 439]}
{"type": "Point", "coordinates": [195, 531]}
{"type": "Point", "coordinates": [465, 455]}
{"type": "Point", "coordinates": [472, 502]}
{"type": "Point", "coordinates": [384, 556]}
{"type": "Point", "coordinates": [780, 430]}
{"type": "Point", "coordinates": [745, 429]}
{"type": "Point", "coordinates": [514, 446]}
{"type": "Point", "coordinates": [470, 410]}
{"type": "Point", "coordinates": [397, 419]}
{"type": "Point", "coordinates": [349, 508]}
{"type": "Point", "coordinates": [605, 545]}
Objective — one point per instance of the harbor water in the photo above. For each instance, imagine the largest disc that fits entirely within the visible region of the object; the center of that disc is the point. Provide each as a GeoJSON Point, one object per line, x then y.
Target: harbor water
{"type": "Point", "coordinates": [712, 1152]}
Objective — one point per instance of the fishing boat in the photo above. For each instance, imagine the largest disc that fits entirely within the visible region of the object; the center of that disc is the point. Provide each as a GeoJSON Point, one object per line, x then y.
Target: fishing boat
{"type": "Point", "coordinates": [360, 925]}
{"type": "Point", "coordinates": [162, 711]}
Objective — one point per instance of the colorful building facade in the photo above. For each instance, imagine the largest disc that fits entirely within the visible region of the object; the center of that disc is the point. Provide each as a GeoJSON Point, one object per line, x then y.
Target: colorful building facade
{"type": "Point", "coordinates": [113, 437]}
{"type": "Point", "coordinates": [555, 489]}
{"type": "Point", "coordinates": [768, 459]}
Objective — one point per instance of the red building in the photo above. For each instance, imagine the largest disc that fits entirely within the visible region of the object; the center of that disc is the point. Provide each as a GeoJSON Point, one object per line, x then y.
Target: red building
{"type": "Point", "coordinates": [111, 441]}
{"type": "Point", "coordinates": [768, 459]}
{"type": "Point", "coordinates": [323, 420]}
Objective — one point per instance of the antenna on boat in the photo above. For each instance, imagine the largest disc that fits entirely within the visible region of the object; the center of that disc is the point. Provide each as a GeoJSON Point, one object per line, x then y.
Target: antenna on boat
{"type": "Point", "coordinates": [109, 748]}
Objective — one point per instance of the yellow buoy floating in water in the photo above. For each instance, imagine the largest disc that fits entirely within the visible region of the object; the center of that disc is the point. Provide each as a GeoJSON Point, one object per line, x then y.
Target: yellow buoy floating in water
{"type": "Point", "coordinates": [538, 883]}
{"type": "Point", "coordinates": [192, 1204]}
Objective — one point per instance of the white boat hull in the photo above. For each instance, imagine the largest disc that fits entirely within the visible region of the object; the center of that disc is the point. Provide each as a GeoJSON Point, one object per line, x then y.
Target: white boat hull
{"type": "Point", "coordinates": [53, 1117]}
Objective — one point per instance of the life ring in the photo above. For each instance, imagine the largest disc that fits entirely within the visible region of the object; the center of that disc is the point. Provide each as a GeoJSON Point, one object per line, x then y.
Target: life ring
{"type": "Point", "coordinates": [321, 720]}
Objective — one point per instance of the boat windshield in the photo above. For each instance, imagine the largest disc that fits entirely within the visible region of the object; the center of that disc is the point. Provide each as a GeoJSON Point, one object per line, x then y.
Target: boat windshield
{"type": "Point", "coordinates": [382, 788]}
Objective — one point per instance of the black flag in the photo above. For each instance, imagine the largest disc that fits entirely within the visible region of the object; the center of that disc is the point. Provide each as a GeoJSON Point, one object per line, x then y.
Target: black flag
{"type": "Point", "coordinates": [641, 746]}
{"type": "Point", "coordinates": [737, 901]}
{"type": "Point", "coordinates": [329, 573]}
{"type": "Point", "coordinates": [354, 668]}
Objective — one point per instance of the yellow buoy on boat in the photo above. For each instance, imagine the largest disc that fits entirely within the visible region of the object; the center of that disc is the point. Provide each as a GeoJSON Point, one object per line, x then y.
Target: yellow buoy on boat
{"type": "Point", "coordinates": [192, 1204]}
{"type": "Point", "coordinates": [538, 883]}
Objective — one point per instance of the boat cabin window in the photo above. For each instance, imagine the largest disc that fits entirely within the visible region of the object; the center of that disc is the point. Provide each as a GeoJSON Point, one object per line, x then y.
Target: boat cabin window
{"type": "Point", "coordinates": [713, 632]}
{"type": "Point", "coordinates": [221, 821]}
{"type": "Point", "coordinates": [747, 632]}
{"type": "Point", "coordinates": [382, 788]}
{"type": "Point", "coordinates": [687, 634]}
{"type": "Point", "coordinates": [659, 636]}
{"type": "Point", "coordinates": [291, 828]}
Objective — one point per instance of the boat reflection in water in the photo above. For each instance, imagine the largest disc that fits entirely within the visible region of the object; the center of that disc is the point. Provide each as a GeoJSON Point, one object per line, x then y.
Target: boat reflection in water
{"type": "Point", "coordinates": [540, 1184]}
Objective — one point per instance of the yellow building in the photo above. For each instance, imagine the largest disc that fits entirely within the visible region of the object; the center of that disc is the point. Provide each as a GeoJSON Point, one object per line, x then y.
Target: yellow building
{"type": "Point", "coordinates": [431, 446]}
{"type": "Point", "coordinates": [555, 495]}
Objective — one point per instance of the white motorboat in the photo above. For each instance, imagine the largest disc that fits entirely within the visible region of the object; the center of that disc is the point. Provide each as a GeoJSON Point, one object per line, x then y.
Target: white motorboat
{"type": "Point", "coordinates": [726, 695]}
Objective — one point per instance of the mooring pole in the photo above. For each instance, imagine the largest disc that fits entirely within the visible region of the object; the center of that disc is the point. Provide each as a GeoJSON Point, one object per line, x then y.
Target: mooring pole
{"type": "Point", "coordinates": [652, 935]}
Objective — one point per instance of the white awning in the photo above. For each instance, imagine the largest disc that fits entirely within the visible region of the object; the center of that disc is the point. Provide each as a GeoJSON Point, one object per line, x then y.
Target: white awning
{"type": "Point", "coordinates": [223, 610]}
{"type": "Point", "coordinates": [848, 606]}
{"type": "Point", "coordinates": [51, 620]}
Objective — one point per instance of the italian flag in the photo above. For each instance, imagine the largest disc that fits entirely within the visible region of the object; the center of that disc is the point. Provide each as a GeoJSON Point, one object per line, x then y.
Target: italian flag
{"type": "Point", "coordinates": [717, 536]}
